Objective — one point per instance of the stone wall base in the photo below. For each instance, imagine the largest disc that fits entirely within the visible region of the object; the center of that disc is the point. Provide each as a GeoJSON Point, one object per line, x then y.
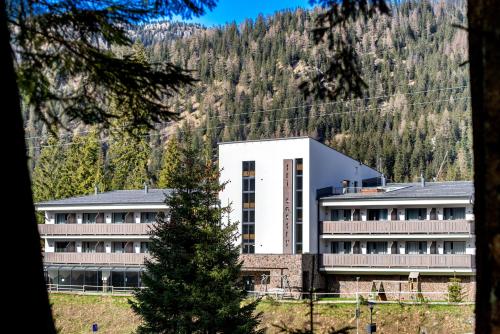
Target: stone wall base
{"type": "Point", "coordinates": [300, 270]}
{"type": "Point", "coordinates": [397, 287]}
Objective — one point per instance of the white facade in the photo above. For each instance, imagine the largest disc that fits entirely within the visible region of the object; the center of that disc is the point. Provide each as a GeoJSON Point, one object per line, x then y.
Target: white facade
{"type": "Point", "coordinates": [322, 167]}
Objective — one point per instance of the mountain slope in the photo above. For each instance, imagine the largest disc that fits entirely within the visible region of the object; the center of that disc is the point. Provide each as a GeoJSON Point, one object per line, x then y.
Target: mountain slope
{"type": "Point", "coordinates": [416, 113]}
{"type": "Point", "coordinates": [414, 118]}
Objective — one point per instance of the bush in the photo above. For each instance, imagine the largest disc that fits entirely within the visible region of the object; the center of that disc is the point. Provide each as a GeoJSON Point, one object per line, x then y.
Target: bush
{"type": "Point", "coordinates": [455, 290]}
{"type": "Point", "coordinates": [362, 300]}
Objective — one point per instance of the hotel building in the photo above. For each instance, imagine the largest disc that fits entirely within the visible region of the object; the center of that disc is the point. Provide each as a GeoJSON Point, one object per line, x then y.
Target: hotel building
{"type": "Point", "coordinates": [303, 208]}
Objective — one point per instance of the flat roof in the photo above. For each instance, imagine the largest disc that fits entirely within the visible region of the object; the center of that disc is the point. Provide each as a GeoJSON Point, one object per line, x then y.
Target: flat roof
{"type": "Point", "coordinates": [266, 139]}
{"type": "Point", "coordinates": [136, 196]}
{"type": "Point", "coordinates": [293, 138]}
{"type": "Point", "coordinates": [448, 189]}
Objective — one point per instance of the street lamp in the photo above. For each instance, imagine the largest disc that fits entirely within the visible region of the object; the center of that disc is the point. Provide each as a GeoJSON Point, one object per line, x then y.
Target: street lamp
{"type": "Point", "coordinates": [358, 313]}
{"type": "Point", "coordinates": [371, 328]}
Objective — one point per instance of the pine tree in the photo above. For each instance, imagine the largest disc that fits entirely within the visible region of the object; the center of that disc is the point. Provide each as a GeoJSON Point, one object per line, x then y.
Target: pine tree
{"type": "Point", "coordinates": [170, 163]}
{"type": "Point", "coordinates": [192, 278]}
{"type": "Point", "coordinates": [47, 173]}
{"type": "Point", "coordinates": [128, 161]}
{"type": "Point", "coordinates": [129, 152]}
{"type": "Point", "coordinates": [84, 166]}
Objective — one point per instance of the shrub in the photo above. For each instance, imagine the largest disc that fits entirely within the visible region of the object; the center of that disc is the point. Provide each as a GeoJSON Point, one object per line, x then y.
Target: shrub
{"type": "Point", "coordinates": [455, 290]}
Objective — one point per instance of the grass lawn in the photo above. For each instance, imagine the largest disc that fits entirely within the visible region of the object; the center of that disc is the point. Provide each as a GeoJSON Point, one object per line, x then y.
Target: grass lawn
{"type": "Point", "coordinates": [76, 313]}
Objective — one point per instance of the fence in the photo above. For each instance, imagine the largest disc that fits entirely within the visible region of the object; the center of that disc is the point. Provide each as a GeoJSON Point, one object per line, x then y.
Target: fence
{"type": "Point", "coordinates": [405, 297]}
{"type": "Point", "coordinates": [92, 289]}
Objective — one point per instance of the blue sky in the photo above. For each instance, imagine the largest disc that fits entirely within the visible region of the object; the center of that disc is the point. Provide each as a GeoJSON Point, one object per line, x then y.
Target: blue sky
{"type": "Point", "coordinates": [239, 10]}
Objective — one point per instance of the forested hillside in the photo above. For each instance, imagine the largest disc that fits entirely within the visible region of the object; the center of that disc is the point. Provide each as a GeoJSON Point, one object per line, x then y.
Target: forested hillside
{"type": "Point", "coordinates": [414, 118]}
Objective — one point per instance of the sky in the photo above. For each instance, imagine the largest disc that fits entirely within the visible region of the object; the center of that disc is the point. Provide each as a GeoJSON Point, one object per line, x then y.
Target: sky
{"type": "Point", "coordinates": [239, 10]}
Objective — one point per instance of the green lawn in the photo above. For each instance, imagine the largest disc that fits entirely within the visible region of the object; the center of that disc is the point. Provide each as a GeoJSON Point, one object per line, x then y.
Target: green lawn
{"type": "Point", "coordinates": [76, 313]}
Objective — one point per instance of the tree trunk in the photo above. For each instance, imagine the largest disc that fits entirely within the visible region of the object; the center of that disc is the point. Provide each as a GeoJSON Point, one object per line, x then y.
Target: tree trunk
{"type": "Point", "coordinates": [484, 62]}
{"type": "Point", "coordinates": [27, 305]}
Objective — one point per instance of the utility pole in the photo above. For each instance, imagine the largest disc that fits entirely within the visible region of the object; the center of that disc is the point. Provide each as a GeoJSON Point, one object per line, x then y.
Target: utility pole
{"type": "Point", "coordinates": [358, 313]}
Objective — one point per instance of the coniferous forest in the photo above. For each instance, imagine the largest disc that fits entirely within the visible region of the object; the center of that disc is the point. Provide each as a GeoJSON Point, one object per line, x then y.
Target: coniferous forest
{"type": "Point", "coordinates": [413, 119]}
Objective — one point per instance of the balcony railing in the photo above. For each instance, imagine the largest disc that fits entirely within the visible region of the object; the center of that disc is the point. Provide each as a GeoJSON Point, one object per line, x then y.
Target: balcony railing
{"type": "Point", "coordinates": [95, 258]}
{"type": "Point", "coordinates": [398, 227]}
{"type": "Point", "coordinates": [399, 260]}
{"type": "Point", "coordinates": [93, 229]}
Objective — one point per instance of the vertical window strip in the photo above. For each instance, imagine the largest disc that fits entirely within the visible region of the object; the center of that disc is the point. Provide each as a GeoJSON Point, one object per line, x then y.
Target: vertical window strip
{"type": "Point", "coordinates": [299, 171]}
{"type": "Point", "coordinates": [248, 207]}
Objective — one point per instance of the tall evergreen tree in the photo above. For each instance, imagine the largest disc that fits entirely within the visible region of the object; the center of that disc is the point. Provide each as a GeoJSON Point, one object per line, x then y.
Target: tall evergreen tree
{"type": "Point", "coordinates": [83, 168]}
{"type": "Point", "coordinates": [128, 161]}
{"type": "Point", "coordinates": [47, 173]}
{"type": "Point", "coordinates": [170, 163]}
{"type": "Point", "coordinates": [192, 282]}
{"type": "Point", "coordinates": [70, 39]}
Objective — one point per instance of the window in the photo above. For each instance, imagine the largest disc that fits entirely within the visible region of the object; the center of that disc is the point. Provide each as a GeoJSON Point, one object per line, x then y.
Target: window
{"type": "Point", "coordinates": [453, 213]}
{"type": "Point", "coordinates": [65, 218]}
{"type": "Point", "coordinates": [248, 168]}
{"type": "Point", "coordinates": [347, 247]}
{"type": "Point", "coordinates": [249, 184]}
{"type": "Point", "coordinates": [248, 216]}
{"type": "Point", "coordinates": [298, 180]}
{"type": "Point", "coordinates": [334, 247]}
{"type": "Point", "coordinates": [89, 218]}
{"type": "Point", "coordinates": [248, 207]}
{"type": "Point", "coordinates": [433, 214]}
{"type": "Point", "coordinates": [377, 214]}
{"type": "Point", "coordinates": [248, 229]}
{"type": "Point", "coordinates": [248, 200]}
{"type": "Point", "coordinates": [356, 215]}
{"type": "Point", "coordinates": [122, 247]}
{"type": "Point", "coordinates": [298, 234]}
{"type": "Point", "coordinates": [148, 217]}
{"type": "Point", "coordinates": [341, 214]}
{"type": "Point", "coordinates": [341, 247]}
{"type": "Point", "coordinates": [416, 214]}
{"type": "Point", "coordinates": [92, 247]}
{"type": "Point", "coordinates": [394, 214]}
{"type": "Point", "coordinates": [144, 247]}
{"type": "Point", "coordinates": [433, 248]}
{"type": "Point", "coordinates": [454, 247]}
{"type": "Point", "coordinates": [119, 217]}
{"type": "Point", "coordinates": [60, 218]}
{"type": "Point", "coordinates": [123, 217]}
{"type": "Point", "coordinates": [377, 247]}
{"type": "Point", "coordinates": [298, 216]}
{"type": "Point", "coordinates": [416, 247]}
{"type": "Point", "coordinates": [65, 247]}
{"type": "Point", "coordinates": [249, 248]}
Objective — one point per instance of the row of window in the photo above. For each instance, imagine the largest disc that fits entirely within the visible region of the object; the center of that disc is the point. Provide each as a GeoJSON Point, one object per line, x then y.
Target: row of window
{"type": "Point", "coordinates": [248, 207]}
{"type": "Point", "coordinates": [411, 247]}
{"type": "Point", "coordinates": [98, 247]}
{"type": "Point", "coordinates": [98, 218]}
{"type": "Point", "coordinates": [298, 205]}
{"type": "Point", "coordinates": [93, 278]}
{"type": "Point", "coordinates": [410, 214]}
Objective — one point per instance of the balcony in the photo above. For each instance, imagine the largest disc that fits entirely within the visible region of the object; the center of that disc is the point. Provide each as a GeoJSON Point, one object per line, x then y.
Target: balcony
{"type": "Point", "coordinates": [95, 258]}
{"type": "Point", "coordinates": [398, 227]}
{"type": "Point", "coordinates": [430, 261]}
{"type": "Point", "coordinates": [93, 229]}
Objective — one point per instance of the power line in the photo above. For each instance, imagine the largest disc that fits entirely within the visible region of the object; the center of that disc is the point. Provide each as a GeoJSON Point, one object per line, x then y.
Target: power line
{"type": "Point", "coordinates": [267, 121]}
{"type": "Point", "coordinates": [333, 102]}
{"type": "Point", "coordinates": [290, 108]}
{"type": "Point", "coordinates": [336, 113]}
